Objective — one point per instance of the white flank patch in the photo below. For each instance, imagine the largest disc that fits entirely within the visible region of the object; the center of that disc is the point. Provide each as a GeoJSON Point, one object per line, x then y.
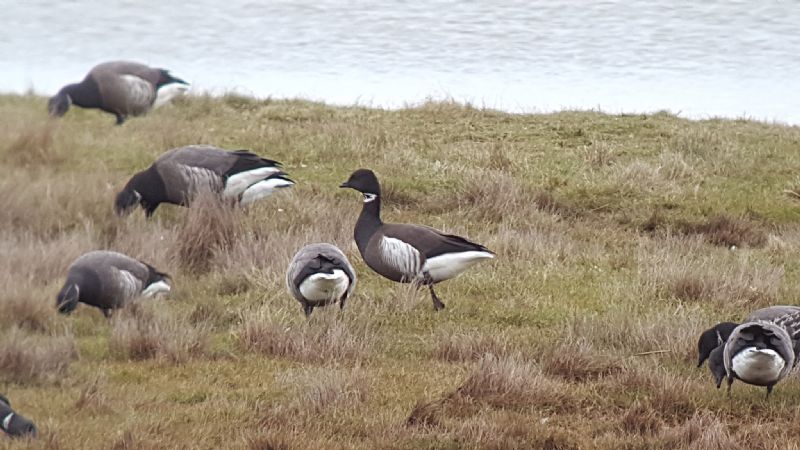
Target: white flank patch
{"type": "Point", "coordinates": [156, 288]}
{"type": "Point", "coordinates": [401, 256]}
{"type": "Point", "coordinates": [263, 189]}
{"type": "Point", "coordinates": [127, 283]}
{"type": "Point", "coordinates": [239, 182]}
{"type": "Point", "coordinates": [166, 93]}
{"type": "Point", "coordinates": [7, 421]}
{"type": "Point", "coordinates": [325, 286]}
{"type": "Point", "coordinates": [450, 265]}
{"type": "Point", "coordinates": [200, 177]}
{"type": "Point", "coordinates": [758, 366]}
{"type": "Point", "coordinates": [140, 93]}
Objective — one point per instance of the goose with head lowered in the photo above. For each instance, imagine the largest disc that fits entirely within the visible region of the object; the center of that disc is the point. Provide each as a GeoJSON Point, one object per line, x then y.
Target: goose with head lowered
{"type": "Point", "coordinates": [12, 423]}
{"type": "Point", "coordinates": [122, 88]}
{"type": "Point", "coordinates": [109, 280]}
{"type": "Point", "coordinates": [181, 173]}
{"type": "Point", "coordinates": [761, 351]}
{"type": "Point", "coordinates": [408, 253]}
{"type": "Point", "coordinates": [320, 274]}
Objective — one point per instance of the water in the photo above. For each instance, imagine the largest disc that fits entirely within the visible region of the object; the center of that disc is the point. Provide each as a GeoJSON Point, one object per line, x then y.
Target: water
{"type": "Point", "coordinates": [701, 59]}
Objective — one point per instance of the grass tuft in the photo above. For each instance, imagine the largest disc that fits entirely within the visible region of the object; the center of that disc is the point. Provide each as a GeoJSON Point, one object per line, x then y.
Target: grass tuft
{"type": "Point", "coordinates": [27, 358]}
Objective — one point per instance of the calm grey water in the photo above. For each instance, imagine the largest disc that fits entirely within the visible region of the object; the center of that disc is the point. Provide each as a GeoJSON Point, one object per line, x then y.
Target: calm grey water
{"type": "Point", "coordinates": [699, 59]}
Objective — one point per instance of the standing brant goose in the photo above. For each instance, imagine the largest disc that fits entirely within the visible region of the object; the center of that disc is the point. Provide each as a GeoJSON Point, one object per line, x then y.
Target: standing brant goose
{"type": "Point", "coordinates": [320, 274]}
{"type": "Point", "coordinates": [122, 88]}
{"type": "Point", "coordinates": [408, 253]}
{"type": "Point", "coordinates": [761, 351]}
{"type": "Point", "coordinates": [109, 280]}
{"type": "Point", "coordinates": [179, 174]}
{"type": "Point", "coordinates": [12, 423]}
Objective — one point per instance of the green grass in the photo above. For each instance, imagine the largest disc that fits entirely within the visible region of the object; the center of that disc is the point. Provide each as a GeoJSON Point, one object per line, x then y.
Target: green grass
{"type": "Point", "coordinates": [613, 233]}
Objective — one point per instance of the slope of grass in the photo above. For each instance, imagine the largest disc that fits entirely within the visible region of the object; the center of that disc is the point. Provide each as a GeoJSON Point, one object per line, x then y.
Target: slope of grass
{"type": "Point", "coordinates": [618, 240]}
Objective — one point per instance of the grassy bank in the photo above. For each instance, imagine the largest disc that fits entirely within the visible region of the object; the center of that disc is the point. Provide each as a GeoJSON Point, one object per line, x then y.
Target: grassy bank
{"type": "Point", "coordinates": [618, 239]}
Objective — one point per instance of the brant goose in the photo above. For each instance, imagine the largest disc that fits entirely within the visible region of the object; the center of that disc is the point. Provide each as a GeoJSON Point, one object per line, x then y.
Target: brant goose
{"type": "Point", "coordinates": [761, 351]}
{"type": "Point", "coordinates": [122, 88]}
{"type": "Point", "coordinates": [182, 172]}
{"type": "Point", "coordinates": [320, 274]}
{"type": "Point", "coordinates": [109, 280]}
{"type": "Point", "coordinates": [12, 423]}
{"type": "Point", "coordinates": [408, 253]}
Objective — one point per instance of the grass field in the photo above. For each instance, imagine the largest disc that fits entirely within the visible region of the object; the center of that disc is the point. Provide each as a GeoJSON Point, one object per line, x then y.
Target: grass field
{"type": "Point", "coordinates": [618, 240]}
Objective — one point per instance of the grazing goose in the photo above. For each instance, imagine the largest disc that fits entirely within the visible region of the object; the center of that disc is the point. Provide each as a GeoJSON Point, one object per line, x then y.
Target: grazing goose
{"type": "Point", "coordinates": [182, 172]}
{"type": "Point", "coordinates": [12, 423]}
{"type": "Point", "coordinates": [109, 280]}
{"type": "Point", "coordinates": [122, 88]}
{"type": "Point", "coordinates": [320, 274]}
{"type": "Point", "coordinates": [408, 253]}
{"type": "Point", "coordinates": [761, 351]}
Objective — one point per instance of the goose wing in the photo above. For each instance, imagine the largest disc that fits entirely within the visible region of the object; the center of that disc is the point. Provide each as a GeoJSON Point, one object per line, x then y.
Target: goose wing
{"type": "Point", "coordinates": [126, 87]}
{"type": "Point", "coordinates": [188, 170]}
{"type": "Point", "coordinates": [121, 277]}
{"type": "Point", "coordinates": [431, 242]}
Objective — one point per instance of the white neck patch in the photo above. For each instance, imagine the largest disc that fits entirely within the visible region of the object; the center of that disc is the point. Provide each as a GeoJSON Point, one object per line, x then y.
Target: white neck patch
{"type": "Point", "coordinates": [7, 421]}
{"type": "Point", "coordinates": [369, 197]}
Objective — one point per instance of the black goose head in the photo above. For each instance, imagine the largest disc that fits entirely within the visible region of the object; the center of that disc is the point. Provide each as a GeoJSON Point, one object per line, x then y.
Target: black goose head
{"type": "Point", "coordinates": [712, 338]}
{"type": "Point", "coordinates": [127, 200]}
{"type": "Point", "coordinates": [67, 299]}
{"type": "Point", "coordinates": [364, 181]}
{"type": "Point", "coordinates": [12, 423]}
{"type": "Point", "coordinates": [59, 104]}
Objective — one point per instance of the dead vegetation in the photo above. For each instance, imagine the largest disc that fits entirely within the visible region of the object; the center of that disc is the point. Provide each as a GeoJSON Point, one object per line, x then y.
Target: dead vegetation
{"type": "Point", "coordinates": [210, 227]}
{"type": "Point", "coordinates": [324, 338]}
{"type": "Point", "coordinates": [150, 331]}
{"type": "Point", "coordinates": [28, 358]}
{"type": "Point", "coordinates": [580, 334]}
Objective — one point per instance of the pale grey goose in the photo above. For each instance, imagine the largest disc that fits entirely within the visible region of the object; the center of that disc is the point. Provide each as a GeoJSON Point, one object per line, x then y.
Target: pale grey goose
{"type": "Point", "coordinates": [761, 351]}
{"type": "Point", "coordinates": [182, 172]}
{"type": "Point", "coordinates": [320, 274]}
{"type": "Point", "coordinates": [108, 280]}
{"type": "Point", "coordinates": [122, 88]}
{"type": "Point", "coordinates": [408, 253]}
{"type": "Point", "coordinates": [12, 423]}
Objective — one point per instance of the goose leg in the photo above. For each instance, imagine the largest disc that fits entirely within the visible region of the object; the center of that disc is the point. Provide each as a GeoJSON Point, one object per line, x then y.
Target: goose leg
{"type": "Point", "coordinates": [730, 383]}
{"type": "Point", "coordinates": [120, 119]}
{"type": "Point", "coordinates": [107, 313]}
{"type": "Point", "coordinates": [769, 391]}
{"type": "Point", "coordinates": [342, 302]}
{"type": "Point", "coordinates": [308, 309]}
{"type": "Point", "coordinates": [437, 304]}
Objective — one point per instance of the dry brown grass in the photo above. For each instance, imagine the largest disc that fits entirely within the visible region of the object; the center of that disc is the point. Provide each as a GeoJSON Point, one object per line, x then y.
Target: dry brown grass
{"type": "Point", "coordinates": [318, 389]}
{"type": "Point", "coordinates": [686, 269]}
{"type": "Point", "coordinates": [455, 346]}
{"type": "Point", "coordinates": [324, 338]}
{"type": "Point", "coordinates": [33, 145]}
{"type": "Point", "coordinates": [151, 331]}
{"type": "Point", "coordinates": [514, 383]}
{"type": "Point", "coordinates": [209, 227]}
{"type": "Point", "coordinates": [580, 334]}
{"type": "Point", "coordinates": [29, 310]}
{"type": "Point", "coordinates": [28, 358]}
{"type": "Point", "coordinates": [702, 431]}
{"type": "Point", "coordinates": [729, 231]}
